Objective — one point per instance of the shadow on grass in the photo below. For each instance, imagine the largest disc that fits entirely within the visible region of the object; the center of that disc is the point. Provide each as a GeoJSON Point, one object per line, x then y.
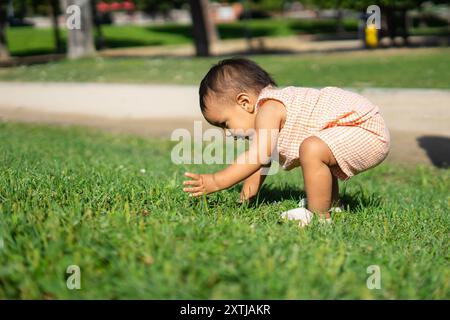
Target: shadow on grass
{"type": "Point", "coordinates": [316, 26]}
{"type": "Point", "coordinates": [360, 200]}
{"type": "Point", "coordinates": [437, 149]}
{"type": "Point", "coordinates": [263, 29]}
{"type": "Point", "coordinates": [351, 200]}
{"type": "Point", "coordinates": [126, 43]}
{"type": "Point", "coordinates": [33, 52]}
{"type": "Point", "coordinates": [227, 31]}
{"type": "Point", "coordinates": [181, 30]}
{"type": "Point", "coordinates": [241, 31]}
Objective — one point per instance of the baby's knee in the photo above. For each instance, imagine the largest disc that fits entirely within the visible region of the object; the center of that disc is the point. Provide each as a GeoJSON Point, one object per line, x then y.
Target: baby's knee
{"type": "Point", "coordinates": [314, 149]}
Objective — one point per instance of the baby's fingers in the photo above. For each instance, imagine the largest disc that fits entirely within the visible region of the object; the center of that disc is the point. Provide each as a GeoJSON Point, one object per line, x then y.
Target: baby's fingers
{"type": "Point", "coordinates": [193, 190]}
{"type": "Point", "coordinates": [196, 182]}
{"type": "Point", "coordinates": [197, 194]}
{"type": "Point", "coordinates": [191, 182]}
{"type": "Point", "coordinates": [194, 176]}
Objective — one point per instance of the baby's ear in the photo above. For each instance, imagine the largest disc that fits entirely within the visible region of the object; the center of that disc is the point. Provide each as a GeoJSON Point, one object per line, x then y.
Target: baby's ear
{"type": "Point", "coordinates": [244, 101]}
{"type": "Point", "coordinates": [250, 108]}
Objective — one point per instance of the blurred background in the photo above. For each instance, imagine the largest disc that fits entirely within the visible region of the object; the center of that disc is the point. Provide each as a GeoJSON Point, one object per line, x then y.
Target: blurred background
{"type": "Point", "coordinates": [38, 27]}
{"type": "Point", "coordinates": [135, 65]}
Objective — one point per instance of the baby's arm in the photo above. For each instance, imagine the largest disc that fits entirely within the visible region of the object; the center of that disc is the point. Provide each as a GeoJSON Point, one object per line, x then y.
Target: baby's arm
{"type": "Point", "coordinates": [268, 122]}
{"type": "Point", "coordinates": [252, 184]}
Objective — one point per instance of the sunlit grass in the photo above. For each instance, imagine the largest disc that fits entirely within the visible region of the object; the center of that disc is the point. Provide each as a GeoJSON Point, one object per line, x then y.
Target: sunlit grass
{"type": "Point", "coordinates": [420, 68]}
{"type": "Point", "coordinates": [74, 197]}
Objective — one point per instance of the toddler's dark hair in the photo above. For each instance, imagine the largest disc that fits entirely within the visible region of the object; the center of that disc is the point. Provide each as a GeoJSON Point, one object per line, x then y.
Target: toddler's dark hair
{"type": "Point", "coordinates": [235, 74]}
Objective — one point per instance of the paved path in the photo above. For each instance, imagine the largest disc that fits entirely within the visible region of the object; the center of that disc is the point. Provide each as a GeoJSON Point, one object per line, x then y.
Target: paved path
{"type": "Point", "coordinates": [418, 119]}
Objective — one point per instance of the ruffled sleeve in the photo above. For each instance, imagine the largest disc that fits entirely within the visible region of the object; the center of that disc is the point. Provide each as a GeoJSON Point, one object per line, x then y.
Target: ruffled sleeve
{"type": "Point", "coordinates": [271, 93]}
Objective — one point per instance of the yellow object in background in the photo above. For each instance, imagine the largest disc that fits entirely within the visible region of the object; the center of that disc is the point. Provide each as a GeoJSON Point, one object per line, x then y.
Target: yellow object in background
{"type": "Point", "coordinates": [371, 36]}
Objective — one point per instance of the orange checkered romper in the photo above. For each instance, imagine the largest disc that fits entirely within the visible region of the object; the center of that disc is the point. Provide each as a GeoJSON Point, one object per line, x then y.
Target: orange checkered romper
{"type": "Point", "coordinates": [348, 123]}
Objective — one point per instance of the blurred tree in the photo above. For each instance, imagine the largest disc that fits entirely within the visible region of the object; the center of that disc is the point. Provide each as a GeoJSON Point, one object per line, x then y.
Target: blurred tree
{"type": "Point", "coordinates": [203, 26]}
{"type": "Point", "coordinates": [99, 38]}
{"type": "Point", "coordinates": [153, 7]}
{"type": "Point", "coordinates": [55, 11]}
{"type": "Point", "coordinates": [3, 20]}
{"type": "Point", "coordinates": [268, 5]}
{"type": "Point", "coordinates": [80, 40]}
{"type": "Point", "coordinates": [24, 8]}
{"type": "Point", "coordinates": [394, 11]}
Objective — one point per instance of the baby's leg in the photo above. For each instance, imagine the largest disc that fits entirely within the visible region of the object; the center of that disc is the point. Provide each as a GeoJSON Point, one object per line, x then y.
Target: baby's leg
{"type": "Point", "coordinates": [335, 192]}
{"type": "Point", "coordinates": [316, 159]}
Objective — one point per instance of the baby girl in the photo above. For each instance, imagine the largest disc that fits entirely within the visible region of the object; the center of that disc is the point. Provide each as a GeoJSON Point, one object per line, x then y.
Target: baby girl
{"type": "Point", "coordinates": [330, 133]}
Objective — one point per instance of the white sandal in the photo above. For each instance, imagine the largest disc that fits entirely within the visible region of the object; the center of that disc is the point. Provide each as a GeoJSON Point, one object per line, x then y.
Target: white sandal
{"type": "Point", "coordinates": [303, 203]}
{"type": "Point", "coordinates": [303, 215]}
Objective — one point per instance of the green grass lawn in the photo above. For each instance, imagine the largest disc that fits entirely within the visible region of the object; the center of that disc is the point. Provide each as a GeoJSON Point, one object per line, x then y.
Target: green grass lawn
{"type": "Point", "coordinates": [28, 40]}
{"type": "Point", "coordinates": [70, 196]}
{"type": "Point", "coordinates": [418, 68]}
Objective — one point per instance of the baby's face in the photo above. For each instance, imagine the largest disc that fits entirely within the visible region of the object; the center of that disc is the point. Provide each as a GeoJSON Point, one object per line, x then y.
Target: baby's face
{"type": "Point", "coordinates": [236, 116]}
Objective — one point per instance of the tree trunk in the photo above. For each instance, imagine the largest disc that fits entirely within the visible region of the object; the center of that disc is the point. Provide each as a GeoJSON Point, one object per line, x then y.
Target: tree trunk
{"type": "Point", "coordinates": [404, 23]}
{"type": "Point", "coordinates": [80, 40]}
{"type": "Point", "coordinates": [54, 4]}
{"type": "Point", "coordinates": [340, 22]}
{"type": "Point", "coordinates": [396, 18]}
{"type": "Point", "coordinates": [100, 39]}
{"type": "Point", "coordinates": [391, 23]}
{"type": "Point", "coordinates": [339, 18]}
{"type": "Point", "coordinates": [4, 54]}
{"type": "Point", "coordinates": [203, 26]}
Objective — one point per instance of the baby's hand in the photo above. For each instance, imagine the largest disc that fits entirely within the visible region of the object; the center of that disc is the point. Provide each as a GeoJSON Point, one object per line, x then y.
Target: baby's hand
{"type": "Point", "coordinates": [200, 184]}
